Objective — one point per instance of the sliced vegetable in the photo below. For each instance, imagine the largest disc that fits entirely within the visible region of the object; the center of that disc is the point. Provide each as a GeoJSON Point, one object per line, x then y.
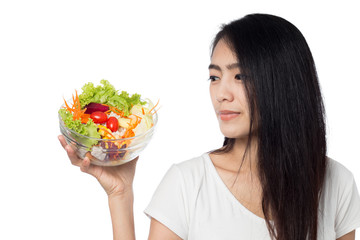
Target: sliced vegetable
{"type": "Point", "coordinates": [76, 110]}
{"type": "Point", "coordinates": [112, 124]}
{"type": "Point", "coordinates": [98, 117]}
{"type": "Point", "coordinates": [116, 111]}
{"type": "Point", "coordinates": [129, 133]}
{"type": "Point", "coordinates": [105, 132]}
{"type": "Point", "coordinates": [85, 118]}
{"type": "Point", "coordinates": [124, 122]}
{"type": "Point", "coordinates": [96, 107]}
{"type": "Point", "coordinates": [153, 108]}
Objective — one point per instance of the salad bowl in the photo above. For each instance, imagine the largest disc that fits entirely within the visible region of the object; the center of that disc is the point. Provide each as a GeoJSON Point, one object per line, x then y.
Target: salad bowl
{"type": "Point", "coordinates": [107, 126]}
{"type": "Point", "coordinates": [106, 152]}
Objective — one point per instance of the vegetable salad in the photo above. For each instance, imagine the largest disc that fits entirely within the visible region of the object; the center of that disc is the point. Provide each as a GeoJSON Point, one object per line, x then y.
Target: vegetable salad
{"type": "Point", "coordinates": [101, 112]}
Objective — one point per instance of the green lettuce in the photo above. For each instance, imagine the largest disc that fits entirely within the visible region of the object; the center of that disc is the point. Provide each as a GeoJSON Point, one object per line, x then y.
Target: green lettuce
{"type": "Point", "coordinates": [107, 94]}
{"type": "Point", "coordinates": [89, 129]}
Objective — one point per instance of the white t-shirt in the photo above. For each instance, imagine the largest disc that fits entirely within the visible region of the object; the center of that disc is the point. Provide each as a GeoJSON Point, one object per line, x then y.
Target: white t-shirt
{"type": "Point", "coordinates": [193, 201]}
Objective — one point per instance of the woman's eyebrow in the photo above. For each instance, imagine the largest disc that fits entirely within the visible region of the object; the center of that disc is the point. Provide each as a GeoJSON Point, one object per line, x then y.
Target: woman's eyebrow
{"type": "Point", "coordinates": [216, 67]}
{"type": "Point", "coordinates": [230, 66]}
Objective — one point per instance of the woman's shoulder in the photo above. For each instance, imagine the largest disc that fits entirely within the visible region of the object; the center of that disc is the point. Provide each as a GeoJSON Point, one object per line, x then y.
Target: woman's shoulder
{"type": "Point", "coordinates": [339, 180]}
{"type": "Point", "coordinates": [340, 200]}
{"type": "Point", "coordinates": [193, 167]}
{"type": "Point", "coordinates": [337, 171]}
{"type": "Point", "coordinates": [192, 172]}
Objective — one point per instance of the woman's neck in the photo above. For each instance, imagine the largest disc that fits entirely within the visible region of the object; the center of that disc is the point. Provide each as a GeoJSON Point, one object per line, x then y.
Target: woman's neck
{"type": "Point", "coordinates": [244, 155]}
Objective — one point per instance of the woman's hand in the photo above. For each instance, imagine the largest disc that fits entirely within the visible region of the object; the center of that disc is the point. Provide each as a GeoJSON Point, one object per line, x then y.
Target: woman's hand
{"type": "Point", "coordinates": [115, 180]}
{"type": "Point", "coordinates": [117, 183]}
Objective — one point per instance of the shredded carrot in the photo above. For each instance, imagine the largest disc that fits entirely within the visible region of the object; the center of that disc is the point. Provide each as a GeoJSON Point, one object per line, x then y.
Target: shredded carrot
{"type": "Point", "coordinates": [67, 106]}
{"type": "Point", "coordinates": [77, 101]}
{"type": "Point", "coordinates": [76, 108]}
{"type": "Point", "coordinates": [117, 111]}
{"type": "Point", "coordinates": [73, 99]}
{"type": "Point", "coordinates": [156, 111]}
{"type": "Point", "coordinates": [154, 106]}
{"type": "Point", "coordinates": [137, 117]}
{"type": "Point", "coordinates": [129, 133]}
{"type": "Point", "coordinates": [137, 121]}
{"type": "Point", "coordinates": [114, 110]}
{"type": "Point", "coordinates": [143, 112]}
{"type": "Point", "coordinates": [85, 118]}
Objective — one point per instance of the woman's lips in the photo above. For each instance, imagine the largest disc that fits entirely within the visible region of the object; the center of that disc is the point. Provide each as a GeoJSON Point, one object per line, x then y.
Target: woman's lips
{"type": "Point", "coordinates": [227, 115]}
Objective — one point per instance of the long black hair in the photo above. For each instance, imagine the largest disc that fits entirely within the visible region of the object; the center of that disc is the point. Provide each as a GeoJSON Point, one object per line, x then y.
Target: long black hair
{"type": "Point", "coordinates": [285, 101]}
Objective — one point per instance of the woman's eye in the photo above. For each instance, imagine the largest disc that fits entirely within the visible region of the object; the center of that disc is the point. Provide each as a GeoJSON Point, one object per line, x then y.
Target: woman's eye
{"type": "Point", "coordinates": [213, 78]}
{"type": "Point", "coordinates": [240, 76]}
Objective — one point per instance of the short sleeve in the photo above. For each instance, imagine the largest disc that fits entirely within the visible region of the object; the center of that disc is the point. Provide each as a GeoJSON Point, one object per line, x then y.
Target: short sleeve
{"type": "Point", "coordinates": [348, 208]}
{"type": "Point", "coordinates": [169, 203]}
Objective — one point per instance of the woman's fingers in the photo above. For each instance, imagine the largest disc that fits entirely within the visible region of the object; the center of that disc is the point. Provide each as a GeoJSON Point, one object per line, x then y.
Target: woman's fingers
{"type": "Point", "coordinates": [84, 164]}
{"type": "Point", "coordinates": [91, 169]}
{"type": "Point", "coordinates": [75, 160]}
{"type": "Point", "coordinates": [62, 141]}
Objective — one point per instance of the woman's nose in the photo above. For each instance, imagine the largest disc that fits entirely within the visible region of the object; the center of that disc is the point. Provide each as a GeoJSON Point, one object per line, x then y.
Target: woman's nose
{"type": "Point", "coordinates": [225, 92]}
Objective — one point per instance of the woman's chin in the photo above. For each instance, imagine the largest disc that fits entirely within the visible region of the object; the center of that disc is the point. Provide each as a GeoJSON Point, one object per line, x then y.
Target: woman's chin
{"type": "Point", "coordinates": [234, 135]}
{"type": "Point", "coordinates": [237, 135]}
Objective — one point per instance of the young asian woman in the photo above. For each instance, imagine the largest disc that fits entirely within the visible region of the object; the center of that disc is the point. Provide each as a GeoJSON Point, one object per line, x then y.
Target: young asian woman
{"type": "Point", "coordinates": [271, 179]}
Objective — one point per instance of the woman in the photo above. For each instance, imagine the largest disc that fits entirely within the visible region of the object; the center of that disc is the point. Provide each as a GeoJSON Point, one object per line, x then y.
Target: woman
{"type": "Point", "coordinates": [271, 179]}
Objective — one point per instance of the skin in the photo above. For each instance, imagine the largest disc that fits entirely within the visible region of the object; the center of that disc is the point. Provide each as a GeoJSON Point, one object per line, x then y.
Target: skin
{"type": "Point", "coordinates": [227, 93]}
{"type": "Point", "coordinates": [232, 111]}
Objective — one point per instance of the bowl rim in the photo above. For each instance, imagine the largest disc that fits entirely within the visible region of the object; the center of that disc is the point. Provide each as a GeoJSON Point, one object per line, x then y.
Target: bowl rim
{"type": "Point", "coordinates": [155, 120]}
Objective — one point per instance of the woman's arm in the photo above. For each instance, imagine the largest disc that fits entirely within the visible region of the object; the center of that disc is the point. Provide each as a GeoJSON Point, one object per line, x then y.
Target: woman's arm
{"type": "Point", "coordinates": [348, 236]}
{"type": "Point", "coordinates": [122, 216]}
{"type": "Point", "coordinates": [117, 183]}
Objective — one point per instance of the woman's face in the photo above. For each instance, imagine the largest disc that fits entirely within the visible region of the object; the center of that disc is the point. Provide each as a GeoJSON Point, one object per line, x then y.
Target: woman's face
{"type": "Point", "coordinates": [228, 93]}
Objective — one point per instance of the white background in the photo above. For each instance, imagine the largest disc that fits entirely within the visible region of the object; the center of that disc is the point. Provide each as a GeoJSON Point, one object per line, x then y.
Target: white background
{"type": "Point", "coordinates": [160, 50]}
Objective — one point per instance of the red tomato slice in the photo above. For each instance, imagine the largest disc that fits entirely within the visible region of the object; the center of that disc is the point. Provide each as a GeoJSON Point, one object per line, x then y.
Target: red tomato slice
{"type": "Point", "coordinates": [112, 124]}
{"type": "Point", "coordinates": [98, 117]}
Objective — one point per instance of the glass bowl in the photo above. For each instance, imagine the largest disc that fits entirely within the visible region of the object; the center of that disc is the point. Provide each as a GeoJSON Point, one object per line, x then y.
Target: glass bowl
{"type": "Point", "coordinates": [108, 152]}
